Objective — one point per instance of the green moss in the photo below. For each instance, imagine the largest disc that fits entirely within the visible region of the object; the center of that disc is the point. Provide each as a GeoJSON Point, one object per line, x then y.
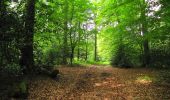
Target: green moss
{"type": "Point", "coordinates": [20, 90]}
{"type": "Point", "coordinates": [23, 87]}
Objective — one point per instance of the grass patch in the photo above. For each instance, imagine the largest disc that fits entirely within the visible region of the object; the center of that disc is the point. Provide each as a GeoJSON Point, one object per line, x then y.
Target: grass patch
{"type": "Point", "coordinates": [88, 63]}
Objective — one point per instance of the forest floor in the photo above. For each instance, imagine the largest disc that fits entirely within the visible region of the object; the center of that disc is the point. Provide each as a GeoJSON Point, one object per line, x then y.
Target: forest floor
{"type": "Point", "coordinates": [102, 83]}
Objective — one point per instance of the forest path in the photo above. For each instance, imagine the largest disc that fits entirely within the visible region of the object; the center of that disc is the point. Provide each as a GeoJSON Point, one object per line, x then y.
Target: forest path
{"type": "Point", "coordinates": [102, 83]}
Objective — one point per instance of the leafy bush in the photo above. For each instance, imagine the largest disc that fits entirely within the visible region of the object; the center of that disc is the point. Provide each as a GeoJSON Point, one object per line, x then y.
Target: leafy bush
{"type": "Point", "coordinates": [52, 57]}
{"type": "Point", "coordinates": [13, 69]}
{"type": "Point", "coordinates": [38, 56]}
{"type": "Point", "coordinates": [122, 58]}
{"type": "Point", "coordinates": [160, 57]}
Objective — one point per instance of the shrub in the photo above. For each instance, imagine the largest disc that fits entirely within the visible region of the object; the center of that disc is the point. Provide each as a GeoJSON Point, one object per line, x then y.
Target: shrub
{"type": "Point", "coordinates": [13, 69]}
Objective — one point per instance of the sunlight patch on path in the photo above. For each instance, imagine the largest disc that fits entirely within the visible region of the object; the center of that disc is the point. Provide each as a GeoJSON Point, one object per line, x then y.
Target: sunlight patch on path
{"type": "Point", "coordinates": [146, 80]}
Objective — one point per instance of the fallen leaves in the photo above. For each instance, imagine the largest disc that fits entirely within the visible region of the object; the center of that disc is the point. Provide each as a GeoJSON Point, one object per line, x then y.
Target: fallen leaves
{"type": "Point", "coordinates": [94, 83]}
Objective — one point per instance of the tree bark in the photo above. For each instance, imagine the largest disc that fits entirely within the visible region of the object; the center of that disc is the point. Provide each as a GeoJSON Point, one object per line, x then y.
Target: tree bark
{"type": "Point", "coordinates": [72, 40]}
{"type": "Point", "coordinates": [27, 59]}
{"type": "Point", "coordinates": [78, 43]}
{"type": "Point", "coordinates": [3, 13]}
{"type": "Point", "coordinates": [3, 39]}
{"type": "Point", "coordinates": [86, 43]}
{"type": "Point", "coordinates": [72, 54]}
{"type": "Point", "coordinates": [144, 30]}
{"type": "Point", "coordinates": [86, 55]}
{"type": "Point", "coordinates": [65, 42]}
{"type": "Point", "coordinates": [95, 45]}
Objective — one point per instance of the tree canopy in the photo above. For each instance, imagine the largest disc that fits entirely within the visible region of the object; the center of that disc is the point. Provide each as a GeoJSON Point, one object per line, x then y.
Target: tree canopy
{"type": "Point", "coordinates": [128, 33]}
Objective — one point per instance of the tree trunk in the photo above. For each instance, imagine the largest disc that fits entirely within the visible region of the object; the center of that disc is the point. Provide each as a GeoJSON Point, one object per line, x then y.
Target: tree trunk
{"type": "Point", "coordinates": [78, 51]}
{"type": "Point", "coordinates": [95, 45]}
{"type": "Point", "coordinates": [86, 56]}
{"type": "Point", "coordinates": [72, 38]}
{"type": "Point", "coordinates": [146, 53]}
{"type": "Point", "coordinates": [78, 48]}
{"type": "Point", "coordinates": [72, 55]}
{"type": "Point", "coordinates": [27, 59]}
{"type": "Point", "coordinates": [2, 31]}
{"type": "Point", "coordinates": [86, 39]}
{"type": "Point", "coordinates": [3, 14]}
{"type": "Point", "coordinates": [65, 44]}
{"type": "Point", "coordinates": [144, 31]}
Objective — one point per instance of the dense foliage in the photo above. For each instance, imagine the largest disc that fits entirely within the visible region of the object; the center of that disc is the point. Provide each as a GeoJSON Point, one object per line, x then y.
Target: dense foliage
{"type": "Point", "coordinates": [136, 31]}
{"type": "Point", "coordinates": [51, 32]}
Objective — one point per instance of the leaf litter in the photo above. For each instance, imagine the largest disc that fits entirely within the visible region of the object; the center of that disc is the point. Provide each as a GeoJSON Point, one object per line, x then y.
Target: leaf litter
{"type": "Point", "coordinates": [101, 83]}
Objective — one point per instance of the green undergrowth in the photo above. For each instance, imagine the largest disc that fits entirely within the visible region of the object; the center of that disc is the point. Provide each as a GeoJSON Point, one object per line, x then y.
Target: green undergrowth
{"type": "Point", "coordinates": [89, 63]}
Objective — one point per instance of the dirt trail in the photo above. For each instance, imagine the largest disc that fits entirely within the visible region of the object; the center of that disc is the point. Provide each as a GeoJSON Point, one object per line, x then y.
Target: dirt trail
{"type": "Point", "coordinates": [100, 83]}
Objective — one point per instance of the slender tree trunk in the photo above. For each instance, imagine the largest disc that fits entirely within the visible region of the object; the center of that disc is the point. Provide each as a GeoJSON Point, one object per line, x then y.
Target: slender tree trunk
{"type": "Point", "coordinates": [86, 55]}
{"type": "Point", "coordinates": [144, 30]}
{"type": "Point", "coordinates": [146, 53]}
{"type": "Point", "coordinates": [95, 41]}
{"type": "Point", "coordinates": [3, 14]}
{"type": "Point", "coordinates": [65, 42]}
{"type": "Point", "coordinates": [72, 55]}
{"type": "Point", "coordinates": [95, 45]}
{"type": "Point", "coordinates": [86, 52]}
{"type": "Point", "coordinates": [78, 49]}
{"type": "Point", "coordinates": [27, 59]}
{"type": "Point", "coordinates": [2, 32]}
{"type": "Point", "coordinates": [72, 38]}
{"type": "Point", "coordinates": [86, 39]}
